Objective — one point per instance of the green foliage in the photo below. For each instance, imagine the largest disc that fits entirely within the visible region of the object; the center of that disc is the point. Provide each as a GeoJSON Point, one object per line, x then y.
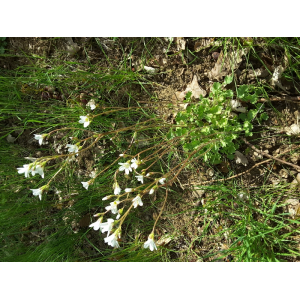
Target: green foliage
{"type": "Point", "coordinates": [210, 124]}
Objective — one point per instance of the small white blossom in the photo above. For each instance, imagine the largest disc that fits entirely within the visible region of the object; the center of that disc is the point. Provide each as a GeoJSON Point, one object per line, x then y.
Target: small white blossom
{"type": "Point", "coordinates": [140, 178]}
{"type": "Point", "coordinates": [117, 188]}
{"type": "Point", "coordinates": [121, 155]}
{"type": "Point", "coordinates": [148, 174]}
{"type": "Point", "coordinates": [96, 225]}
{"type": "Point", "coordinates": [85, 121]}
{"type": "Point", "coordinates": [125, 167]}
{"type": "Point", "coordinates": [135, 163]}
{"type": "Point", "coordinates": [72, 148]}
{"type": "Point", "coordinates": [86, 184]}
{"type": "Point", "coordinates": [150, 244]}
{"type": "Point", "coordinates": [107, 197]}
{"type": "Point", "coordinates": [137, 201]}
{"type": "Point", "coordinates": [39, 137]}
{"type": "Point", "coordinates": [37, 192]}
{"type": "Point", "coordinates": [107, 226]}
{"type": "Point", "coordinates": [26, 169]}
{"type": "Point", "coordinates": [113, 207]}
{"type": "Point", "coordinates": [112, 241]}
{"type": "Point", "coordinates": [38, 169]}
{"type": "Point", "coordinates": [120, 211]}
{"type": "Point", "coordinates": [128, 190]}
{"type": "Point", "coordinates": [91, 104]}
{"type": "Point", "coordinates": [162, 180]}
{"type": "Point", "coordinates": [151, 191]}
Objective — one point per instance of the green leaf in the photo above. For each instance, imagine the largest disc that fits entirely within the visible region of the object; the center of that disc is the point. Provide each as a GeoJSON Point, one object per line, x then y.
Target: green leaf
{"type": "Point", "coordinates": [216, 110]}
{"type": "Point", "coordinates": [228, 94]}
{"type": "Point", "coordinates": [264, 116]}
{"type": "Point", "coordinates": [170, 135]}
{"type": "Point", "coordinates": [242, 90]}
{"type": "Point", "coordinates": [216, 87]}
{"type": "Point", "coordinates": [251, 114]}
{"type": "Point", "coordinates": [251, 98]}
{"type": "Point", "coordinates": [188, 97]}
{"type": "Point", "coordinates": [228, 79]}
{"type": "Point", "coordinates": [242, 116]}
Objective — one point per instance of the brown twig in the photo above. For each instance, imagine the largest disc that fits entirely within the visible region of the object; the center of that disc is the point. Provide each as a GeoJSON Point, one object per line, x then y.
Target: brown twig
{"type": "Point", "coordinates": [242, 173]}
{"type": "Point", "coordinates": [270, 156]}
{"type": "Point", "coordinates": [283, 98]}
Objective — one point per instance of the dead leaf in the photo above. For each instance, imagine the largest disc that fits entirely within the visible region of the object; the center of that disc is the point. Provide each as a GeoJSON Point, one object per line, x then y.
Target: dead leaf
{"type": "Point", "coordinates": [150, 70]}
{"type": "Point", "coordinates": [204, 43]}
{"type": "Point", "coordinates": [292, 130]}
{"type": "Point", "coordinates": [72, 48]}
{"type": "Point", "coordinates": [180, 41]}
{"type": "Point", "coordinates": [227, 63]}
{"type": "Point", "coordinates": [240, 158]}
{"type": "Point", "coordinates": [197, 192]}
{"type": "Point", "coordinates": [236, 106]}
{"type": "Point", "coordinates": [193, 87]}
{"type": "Point", "coordinates": [292, 202]}
{"type": "Point", "coordinates": [164, 240]}
{"type": "Point", "coordinates": [275, 80]}
{"type": "Point", "coordinates": [258, 73]}
{"type": "Point", "coordinates": [284, 173]}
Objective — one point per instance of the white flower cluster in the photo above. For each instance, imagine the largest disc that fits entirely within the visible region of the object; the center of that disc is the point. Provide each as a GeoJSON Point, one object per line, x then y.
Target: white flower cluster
{"type": "Point", "coordinates": [33, 169]}
{"type": "Point", "coordinates": [131, 165]}
{"type": "Point", "coordinates": [127, 167]}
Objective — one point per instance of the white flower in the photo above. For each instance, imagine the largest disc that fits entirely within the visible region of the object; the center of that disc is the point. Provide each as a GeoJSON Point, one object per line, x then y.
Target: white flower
{"type": "Point", "coordinates": [162, 180]}
{"type": "Point", "coordinates": [135, 163]}
{"type": "Point", "coordinates": [39, 137]}
{"type": "Point", "coordinates": [137, 201]}
{"type": "Point", "coordinates": [107, 226]}
{"type": "Point", "coordinates": [121, 155]}
{"type": "Point", "coordinates": [117, 188]}
{"type": "Point", "coordinates": [148, 174]}
{"type": "Point", "coordinates": [85, 121]}
{"type": "Point", "coordinates": [140, 178]}
{"type": "Point", "coordinates": [113, 207]}
{"type": "Point", "coordinates": [37, 192]}
{"type": "Point", "coordinates": [120, 211]}
{"type": "Point", "coordinates": [126, 167]}
{"type": "Point", "coordinates": [86, 184]}
{"type": "Point", "coordinates": [151, 191]}
{"type": "Point", "coordinates": [26, 169]}
{"type": "Point", "coordinates": [150, 244]}
{"type": "Point", "coordinates": [72, 148]}
{"type": "Point", "coordinates": [128, 190]}
{"type": "Point", "coordinates": [107, 197]}
{"type": "Point", "coordinates": [112, 241]}
{"type": "Point", "coordinates": [38, 169]}
{"type": "Point", "coordinates": [96, 225]}
{"type": "Point", "coordinates": [91, 104]}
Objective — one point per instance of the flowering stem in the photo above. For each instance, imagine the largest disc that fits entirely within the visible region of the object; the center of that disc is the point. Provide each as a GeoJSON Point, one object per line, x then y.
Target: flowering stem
{"type": "Point", "coordinates": [166, 197]}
